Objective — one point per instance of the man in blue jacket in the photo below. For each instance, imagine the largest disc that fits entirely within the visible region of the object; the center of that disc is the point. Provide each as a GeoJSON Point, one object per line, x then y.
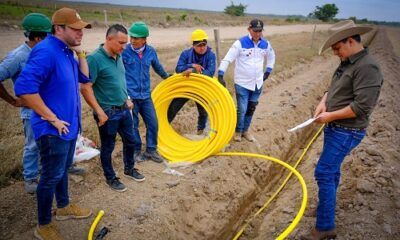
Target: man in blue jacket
{"type": "Point", "coordinates": [36, 26]}
{"type": "Point", "coordinates": [138, 57]}
{"type": "Point", "coordinates": [197, 59]}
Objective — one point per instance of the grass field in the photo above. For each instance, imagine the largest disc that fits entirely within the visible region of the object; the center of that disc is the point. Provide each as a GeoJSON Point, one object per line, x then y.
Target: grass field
{"type": "Point", "coordinates": [12, 11]}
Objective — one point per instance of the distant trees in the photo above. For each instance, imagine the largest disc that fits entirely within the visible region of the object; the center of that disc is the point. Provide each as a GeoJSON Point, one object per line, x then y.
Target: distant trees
{"type": "Point", "coordinates": [325, 13]}
{"type": "Point", "coordinates": [235, 10]}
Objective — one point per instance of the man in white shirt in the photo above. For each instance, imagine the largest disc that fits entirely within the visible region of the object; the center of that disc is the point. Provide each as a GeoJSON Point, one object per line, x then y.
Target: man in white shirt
{"type": "Point", "coordinates": [249, 52]}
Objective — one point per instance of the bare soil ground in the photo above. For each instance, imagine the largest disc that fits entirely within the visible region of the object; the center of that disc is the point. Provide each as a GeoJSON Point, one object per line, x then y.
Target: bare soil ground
{"type": "Point", "coordinates": [214, 197]}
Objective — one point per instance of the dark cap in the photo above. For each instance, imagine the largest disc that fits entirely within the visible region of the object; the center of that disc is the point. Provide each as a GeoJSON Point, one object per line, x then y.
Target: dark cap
{"type": "Point", "coordinates": [256, 24]}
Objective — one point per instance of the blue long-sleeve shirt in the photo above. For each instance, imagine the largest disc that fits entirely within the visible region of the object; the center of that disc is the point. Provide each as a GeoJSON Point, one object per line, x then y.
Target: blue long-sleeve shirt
{"type": "Point", "coordinates": [52, 72]}
{"type": "Point", "coordinates": [137, 71]}
{"type": "Point", "coordinates": [189, 56]}
{"type": "Point", "coordinates": [12, 66]}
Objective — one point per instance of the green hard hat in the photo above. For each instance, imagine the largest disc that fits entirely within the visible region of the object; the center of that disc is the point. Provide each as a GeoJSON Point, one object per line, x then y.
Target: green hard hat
{"type": "Point", "coordinates": [139, 30]}
{"type": "Point", "coordinates": [36, 22]}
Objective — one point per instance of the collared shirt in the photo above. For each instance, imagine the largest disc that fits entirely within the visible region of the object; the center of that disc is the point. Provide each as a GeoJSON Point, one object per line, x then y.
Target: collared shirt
{"type": "Point", "coordinates": [52, 72]}
{"type": "Point", "coordinates": [108, 77]}
{"type": "Point", "coordinates": [356, 83]}
{"type": "Point", "coordinates": [138, 71]}
{"type": "Point", "coordinates": [249, 57]}
{"type": "Point", "coordinates": [189, 56]}
{"type": "Point", "coordinates": [12, 66]}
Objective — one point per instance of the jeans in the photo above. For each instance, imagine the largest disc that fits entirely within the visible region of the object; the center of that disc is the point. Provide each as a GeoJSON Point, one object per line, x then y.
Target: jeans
{"type": "Point", "coordinates": [177, 104]}
{"type": "Point", "coordinates": [30, 159]}
{"type": "Point", "coordinates": [244, 99]}
{"type": "Point", "coordinates": [338, 143]}
{"type": "Point", "coordinates": [119, 121]}
{"type": "Point", "coordinates": [56, 157]}
{"type": "Point", "coordinates": [146, 109]}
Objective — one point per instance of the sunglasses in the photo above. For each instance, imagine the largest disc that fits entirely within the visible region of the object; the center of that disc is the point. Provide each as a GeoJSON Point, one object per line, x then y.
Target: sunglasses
{"type": "Point", "coordinates": [257, 31]}
{"type": "Point", "coordinates": [201, 44]}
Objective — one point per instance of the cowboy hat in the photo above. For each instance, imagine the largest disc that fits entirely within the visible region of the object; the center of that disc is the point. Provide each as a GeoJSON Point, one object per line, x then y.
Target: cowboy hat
{"type": "Point", "coordinates": [342, 30]}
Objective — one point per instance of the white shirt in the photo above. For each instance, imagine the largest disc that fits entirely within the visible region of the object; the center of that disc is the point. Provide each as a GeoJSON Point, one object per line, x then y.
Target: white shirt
{"type": "Point", "coordinates": [249, 60]}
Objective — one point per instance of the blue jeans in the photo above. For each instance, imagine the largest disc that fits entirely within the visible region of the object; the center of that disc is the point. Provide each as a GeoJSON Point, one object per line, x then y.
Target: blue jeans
{"type": "Point", "coordinates": [146, 109]}
{"type": "Point", "coordinates": [30, 159]}
{"type": "Point", "coordinates": [244, 99]}
{"type": "Point", "coordinates": [119, 121]}
{"type": "Point", "coordinates": [177, 104]}
{"type": "Point", "coordinates": [338, 143]}
{"type": "Point", "coordinates": [56, 157]}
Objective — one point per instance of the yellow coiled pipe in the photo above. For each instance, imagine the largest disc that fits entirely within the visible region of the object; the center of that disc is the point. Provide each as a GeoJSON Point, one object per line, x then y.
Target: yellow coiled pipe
{"type": "Point", "coordinates": [215, 99]}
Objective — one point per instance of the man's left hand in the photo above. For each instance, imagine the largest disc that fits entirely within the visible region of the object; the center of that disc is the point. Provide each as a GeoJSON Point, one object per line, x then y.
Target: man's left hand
{"type": "Point", "coordinates": [77, 49]}
{"type": "Point", "coordinates": [324, 117]}
{"type": "Point", "coordinates": [198, 68]}
{"type": "Point", "coordinates": [266, 75]}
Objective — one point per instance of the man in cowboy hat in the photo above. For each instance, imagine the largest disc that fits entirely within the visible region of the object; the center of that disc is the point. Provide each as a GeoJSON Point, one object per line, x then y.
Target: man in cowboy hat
{"type": "Point", "coordinates": [345, 108]}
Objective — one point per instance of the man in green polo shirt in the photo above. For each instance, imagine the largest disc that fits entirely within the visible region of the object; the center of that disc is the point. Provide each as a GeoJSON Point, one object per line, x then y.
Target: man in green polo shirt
{"type": "Point", "coordinates": [108, 97]}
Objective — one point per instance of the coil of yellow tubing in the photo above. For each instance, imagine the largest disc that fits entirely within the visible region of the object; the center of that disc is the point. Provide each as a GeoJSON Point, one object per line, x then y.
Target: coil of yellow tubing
{"type": "Point", "coordinates": [218, 103]}
{"type": "Point", "coordinates": [215, 99]}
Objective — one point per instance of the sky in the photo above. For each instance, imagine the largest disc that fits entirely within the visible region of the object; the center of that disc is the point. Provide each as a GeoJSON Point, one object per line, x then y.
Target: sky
{"type": "Point", "coordinates": [380, 10]}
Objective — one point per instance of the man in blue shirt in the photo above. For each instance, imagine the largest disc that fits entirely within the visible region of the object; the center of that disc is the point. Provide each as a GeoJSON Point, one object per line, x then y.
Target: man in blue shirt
{"type": "Point", "coordinates": [36, 27]}
{"type": "Point", "coordinates": [197, 59]}
{"type": "Point", "coordinates": [138, 57]}
{"type": "Point", "coordinates": [49, 85]}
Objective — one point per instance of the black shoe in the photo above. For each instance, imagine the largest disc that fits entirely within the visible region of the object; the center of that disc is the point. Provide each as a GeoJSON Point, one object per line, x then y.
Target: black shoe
{"type": "Point", "coordinates": [116, 185]}
{"type": "Point", "coordinates": [154, 156]}
{"type": "Point", "coordinates": [133, 173]}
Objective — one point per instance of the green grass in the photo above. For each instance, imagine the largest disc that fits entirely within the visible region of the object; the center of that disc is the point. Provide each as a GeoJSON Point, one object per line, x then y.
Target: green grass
{"type": "Point", "coordinates": [13, 12]}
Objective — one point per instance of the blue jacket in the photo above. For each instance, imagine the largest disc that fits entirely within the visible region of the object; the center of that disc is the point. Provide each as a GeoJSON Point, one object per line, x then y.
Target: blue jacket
{"type": "Point", "coordinates": [189, 56]}
{"type": "Point", "coordinates": [52, 72]}
{"type": "Point", "coordinates": [137, 71]}
{"type": "Point", "coordinates": [12, 66]}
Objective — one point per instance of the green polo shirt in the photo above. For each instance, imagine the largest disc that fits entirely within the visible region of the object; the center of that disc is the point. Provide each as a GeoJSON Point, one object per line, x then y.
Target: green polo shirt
{"type": "Point", "coordinates": [356, 83]}
{"type": "Point", "coordinates": [108, 77]}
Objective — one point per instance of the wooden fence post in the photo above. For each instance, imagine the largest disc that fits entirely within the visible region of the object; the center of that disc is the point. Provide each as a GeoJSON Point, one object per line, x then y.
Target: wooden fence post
{"type": "Point", "coordinates": [217, 45]}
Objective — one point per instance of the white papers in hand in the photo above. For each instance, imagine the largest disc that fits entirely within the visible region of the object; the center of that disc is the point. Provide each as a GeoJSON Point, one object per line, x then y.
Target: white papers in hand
{"type": "Point", "coordinates": [301, 125]}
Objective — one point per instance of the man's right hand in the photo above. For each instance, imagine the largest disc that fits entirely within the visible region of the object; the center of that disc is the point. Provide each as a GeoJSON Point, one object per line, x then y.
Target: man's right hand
{"type": "Point", "coordinates": [187, 72]}
{"type": "Point", "coordinates": [102, 116]}
{"type": "Point", "coordinates": [221, 80]}
{"type": "Point", "coordinates": [62, 126]}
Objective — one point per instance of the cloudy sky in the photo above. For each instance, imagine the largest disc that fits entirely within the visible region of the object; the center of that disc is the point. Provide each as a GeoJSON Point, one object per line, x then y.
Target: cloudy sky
{"type": "Point", "coordinates": [381, 10]}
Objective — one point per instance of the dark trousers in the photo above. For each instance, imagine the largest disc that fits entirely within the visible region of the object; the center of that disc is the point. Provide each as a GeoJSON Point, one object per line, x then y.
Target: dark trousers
{"type": "Point", "coordinates": [119, 121]}
{"type": "Point", "coordinates": [177, 104]}
{"type": "Point", "coordinates": [56, 156]}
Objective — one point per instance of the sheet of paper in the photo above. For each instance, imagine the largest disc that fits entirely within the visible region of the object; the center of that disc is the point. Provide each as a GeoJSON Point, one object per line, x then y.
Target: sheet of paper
{"type": "Point", "coordinates": [301, 125]}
